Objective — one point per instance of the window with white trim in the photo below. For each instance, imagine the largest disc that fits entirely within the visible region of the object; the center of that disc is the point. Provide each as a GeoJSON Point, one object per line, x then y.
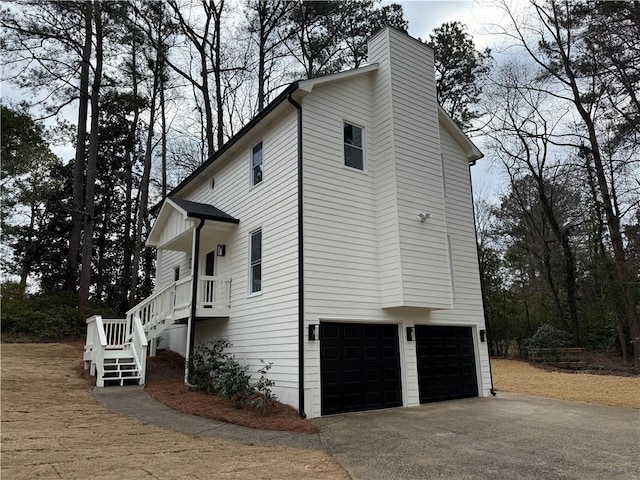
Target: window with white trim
{"type": "Point", "coordinates": [353, 146]}
{"type": "Point", "coordinates": [255, 262]}
{"type": "Point", "coordinates": [256, 164]}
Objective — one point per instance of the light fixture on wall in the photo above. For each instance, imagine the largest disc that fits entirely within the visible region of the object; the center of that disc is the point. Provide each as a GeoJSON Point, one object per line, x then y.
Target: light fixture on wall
{"type": "Point", "coordinates": [221, 250]}
{"type": "Point", "coordinates": [424, 217]}
{"type": "Point", "coordinates": [314, 332]}
{"type": "Point", "coordinates": [411, 334]}
{"type": "Point", "coordinates": [483, 336]}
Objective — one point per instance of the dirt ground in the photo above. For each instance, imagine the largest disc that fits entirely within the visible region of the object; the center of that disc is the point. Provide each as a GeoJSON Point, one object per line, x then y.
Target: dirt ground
{"type": "Point", "coordinates": [520, 377]}
{"type": "Point", "coordinates": [53, 428]}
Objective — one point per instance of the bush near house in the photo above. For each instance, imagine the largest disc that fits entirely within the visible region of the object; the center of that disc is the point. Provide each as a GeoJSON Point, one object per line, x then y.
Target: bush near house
{"type": "Point", "coordinates": [44, 317]}
{"type": "Point", "coordinates": [213, 370]}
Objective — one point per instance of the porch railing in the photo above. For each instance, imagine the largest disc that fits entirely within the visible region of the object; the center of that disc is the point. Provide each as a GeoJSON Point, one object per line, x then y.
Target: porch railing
{"type": "Point", "coordinates": [173, 301]}
{"type": "Point", "coordinates": [114, 338]}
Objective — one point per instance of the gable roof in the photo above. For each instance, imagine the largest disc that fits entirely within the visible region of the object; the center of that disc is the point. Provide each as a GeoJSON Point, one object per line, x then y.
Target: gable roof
{"type": "Point", "coordinates": [231, 142]}
{"type": "Point", "coordinates": [306, 86]}
{"type": "Point", "coordinates": [202, 210]}
{"type": "Point", "coordinates": [471, 151]}
{"type": "Point", "coordinates": [181, 214]}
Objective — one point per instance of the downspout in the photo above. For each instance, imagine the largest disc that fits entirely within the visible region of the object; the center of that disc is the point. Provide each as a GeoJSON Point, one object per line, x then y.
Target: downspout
{"type": "Point", "coordinates": [194, 295]}
{"type": "Point", "coordinates": [300, 266]}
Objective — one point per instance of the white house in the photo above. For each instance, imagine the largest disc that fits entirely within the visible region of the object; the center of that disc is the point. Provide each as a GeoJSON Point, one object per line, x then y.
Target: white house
{"type": "Point", "coordinates": [334, 237]}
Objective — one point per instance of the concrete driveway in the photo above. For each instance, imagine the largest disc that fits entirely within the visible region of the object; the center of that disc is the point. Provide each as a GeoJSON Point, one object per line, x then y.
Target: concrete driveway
{"type": "Point", "coordinates": [506, 437]}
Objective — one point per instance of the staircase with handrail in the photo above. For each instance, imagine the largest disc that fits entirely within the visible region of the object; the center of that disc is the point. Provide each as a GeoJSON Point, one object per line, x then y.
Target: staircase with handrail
{"type": "Point", "coordinates": [115, 351]}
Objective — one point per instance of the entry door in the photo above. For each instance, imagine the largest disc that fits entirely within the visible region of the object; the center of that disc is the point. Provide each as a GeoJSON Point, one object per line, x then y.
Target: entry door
{"type": "Point", "coordinates": [446, 363]}
{"type": "Point", "coordinates": [209, 289]}
{"type": "Point", "coordinates": [210, 263]}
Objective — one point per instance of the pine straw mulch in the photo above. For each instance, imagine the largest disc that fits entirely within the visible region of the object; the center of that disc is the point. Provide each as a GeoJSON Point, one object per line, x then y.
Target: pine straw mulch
{"type": "Point", "coordinates": [165, 383]}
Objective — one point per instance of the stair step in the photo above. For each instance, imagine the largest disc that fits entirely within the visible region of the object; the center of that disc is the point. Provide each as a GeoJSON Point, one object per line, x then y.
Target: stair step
{"type": "Point", "coordinates": [120, 366]}
{"type": "Point", "coordinates": [119, 360]}
{"type": "Point", "coordinates": [117, 375]}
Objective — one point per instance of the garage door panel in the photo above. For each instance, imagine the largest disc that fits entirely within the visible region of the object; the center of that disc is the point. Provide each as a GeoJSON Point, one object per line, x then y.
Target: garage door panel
{"type": "Point", "coordinates": [351, 353]}
{"type": "Point", "coordinates": [446, 363]}
{"type": "Point", "coordinates": [366, 373]}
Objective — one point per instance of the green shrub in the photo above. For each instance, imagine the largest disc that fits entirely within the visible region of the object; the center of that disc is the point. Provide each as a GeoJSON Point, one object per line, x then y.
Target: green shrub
{"type": "Point", "coordinates": [264, 397]}
{"type": "Point", "coordinates": [232, 381]}
{"type": "Point", "coordinates": [45, 318]}
{"type": "Point", "coordinates": [548, 336]}
{"type": "Point", "coordinates": [206, 359]}
{"type": "Point", "coordinates": [213, 370]}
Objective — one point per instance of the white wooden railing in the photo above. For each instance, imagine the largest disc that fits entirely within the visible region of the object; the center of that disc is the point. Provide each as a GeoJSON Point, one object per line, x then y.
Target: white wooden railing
{"type": "Point", "coordinates": [214, 292]}
{"type": "Point", "coordinates": [139, 347]}
{"type": "Point", "coordinates": [128, 338]}
{"type": "Point", "coordinates": [174, 301]}
{"type": "Point", "coordinates": [119, 336]}
{"type": "Point", "coordinates": [95, 345]}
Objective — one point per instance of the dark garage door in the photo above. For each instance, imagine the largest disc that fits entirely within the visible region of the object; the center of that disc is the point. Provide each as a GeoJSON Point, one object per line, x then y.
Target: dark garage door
{"type": "Point", "coordinates": [446, 363]}
{"type": "Point", "coordinates": [359, 367]}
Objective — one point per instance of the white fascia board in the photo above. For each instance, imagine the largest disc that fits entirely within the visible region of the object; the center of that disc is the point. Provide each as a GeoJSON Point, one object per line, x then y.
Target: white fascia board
{"type": "Point", "coordinates": [307, 85]}
{"type": "Point", "coordinates": [162, 220]}
{"type": "Point", "coordinates": [470, 149]}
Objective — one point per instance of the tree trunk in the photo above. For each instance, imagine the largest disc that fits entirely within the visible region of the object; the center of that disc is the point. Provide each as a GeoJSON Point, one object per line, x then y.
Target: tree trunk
{"type": "Point", "coordinates": [77, 217]}
{"type": "Point", "coordinates": [144, 190]}
{"type": "Point", "coordinates": [217, 73]}
{"type": "Point", "coordinates": [89, 223]}
{"type": "Point", "coordinates": [613, 221]}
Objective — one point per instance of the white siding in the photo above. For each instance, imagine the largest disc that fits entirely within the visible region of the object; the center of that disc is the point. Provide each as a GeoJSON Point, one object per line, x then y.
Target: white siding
{"type": "Point", "coordinates": [365, 248]}
{"type": "Point", "coordinates": [382, 149]}
{"type": "Point", "coordinates": [467, 305]}
{"type": "Point", "coordinates": [263, 326]}
{"type": "Point", "coordinates": [367, 257]}
{"type": "Point", "coordinates": [166, 263]}
{"type": "Point", "coordinates": [423, 246]}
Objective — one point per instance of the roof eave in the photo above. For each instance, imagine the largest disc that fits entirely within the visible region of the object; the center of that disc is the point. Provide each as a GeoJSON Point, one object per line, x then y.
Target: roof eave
{"type": "Point", "coordinates": [472, 152]}
{"type": "Point", "coordinates": [232, 141]}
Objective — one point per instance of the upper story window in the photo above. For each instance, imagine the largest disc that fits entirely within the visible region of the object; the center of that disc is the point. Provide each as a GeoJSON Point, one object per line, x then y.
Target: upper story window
{"type": "Point", "coordinates": [255, 262]}
{"type": "Point", "coordinates": [256, 164]}
{"type": "Point", "coordinates": [353, 146]}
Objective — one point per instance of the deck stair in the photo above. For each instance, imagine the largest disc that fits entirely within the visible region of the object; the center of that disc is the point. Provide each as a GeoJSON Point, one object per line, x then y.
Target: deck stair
{"type": "Point", "coordinates": [120, 370]}
{"type": "Point", "coordinates": [115, 351]}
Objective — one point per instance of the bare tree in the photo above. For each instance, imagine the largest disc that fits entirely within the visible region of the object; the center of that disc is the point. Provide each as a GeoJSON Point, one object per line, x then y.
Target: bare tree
{"type": "Point", "coordinates": [553, 37]}
{"type": "Point", "coordinates": [266, 22]}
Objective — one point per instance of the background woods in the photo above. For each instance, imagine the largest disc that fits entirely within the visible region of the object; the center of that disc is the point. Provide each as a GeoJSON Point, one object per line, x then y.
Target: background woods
{"type": "Point", "coordinates": [146, 90]}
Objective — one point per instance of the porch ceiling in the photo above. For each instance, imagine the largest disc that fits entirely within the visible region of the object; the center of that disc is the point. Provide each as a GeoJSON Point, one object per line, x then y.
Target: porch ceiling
{"type": "Point", "coordinates": [178, 218]}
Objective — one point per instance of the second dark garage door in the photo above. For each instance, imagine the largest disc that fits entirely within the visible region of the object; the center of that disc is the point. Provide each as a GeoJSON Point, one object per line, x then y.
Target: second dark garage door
{"type": "Point", "coordinates": [446, 363]}
{"type": "Point", "coordinates": [359, 367]}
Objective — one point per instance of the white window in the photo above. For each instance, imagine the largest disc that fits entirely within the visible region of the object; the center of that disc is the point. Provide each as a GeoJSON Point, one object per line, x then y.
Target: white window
{"type": "Point", "coordinates": [255, 262]}
{"type": "Point", "coordinates": [353, 146]}
{"type": "Point", "coordinates": [256, 164]}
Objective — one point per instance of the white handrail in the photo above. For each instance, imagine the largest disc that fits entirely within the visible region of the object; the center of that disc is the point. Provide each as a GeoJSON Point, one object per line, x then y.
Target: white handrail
{"type": "Point", "coordinates": [175, 299]}
{"type": "Point", "coordinates": [139, 350]}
